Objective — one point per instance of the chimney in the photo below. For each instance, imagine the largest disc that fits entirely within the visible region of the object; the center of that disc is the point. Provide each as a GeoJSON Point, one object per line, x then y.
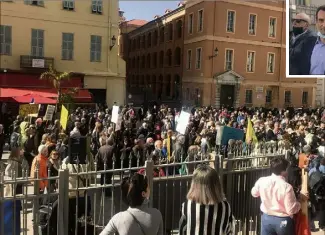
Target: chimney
{"type": "Point", "coordinates": [167, 11]}
{"type": "Point", "coordinates": [180, 4]}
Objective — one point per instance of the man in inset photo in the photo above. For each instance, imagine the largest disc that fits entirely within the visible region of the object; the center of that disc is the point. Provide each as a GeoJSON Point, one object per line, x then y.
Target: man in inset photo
{"type": "Point", "coordinates": [301, 46]}
{"type": "Point", "coordinates": [317, 62]}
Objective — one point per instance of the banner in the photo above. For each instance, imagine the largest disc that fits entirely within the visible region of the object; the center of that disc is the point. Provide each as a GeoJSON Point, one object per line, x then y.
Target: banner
{"type": "Point", "coordinates": [225, 133]}
{"type": "Point", "coordinates": [64, 117]}
{"type": "Point", "coordinates": [114, 118]}
{"type": "Point", "coordinates": [182, 122]}
{"type": "Point", "coordinates": [49, 113]}
{"type": "Point", "coordinates": [26, 109]}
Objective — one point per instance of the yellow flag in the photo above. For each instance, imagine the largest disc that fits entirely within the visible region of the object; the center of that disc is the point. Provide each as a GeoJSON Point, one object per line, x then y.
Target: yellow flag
{"type": "Point", "coordinates": [64, 117]}
{"type": "Point", "coordinates": [250, 133]}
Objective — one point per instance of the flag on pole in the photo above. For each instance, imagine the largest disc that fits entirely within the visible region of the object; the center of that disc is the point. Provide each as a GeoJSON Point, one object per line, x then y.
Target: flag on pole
{"type": "Point", "coordinates": [250, 133]}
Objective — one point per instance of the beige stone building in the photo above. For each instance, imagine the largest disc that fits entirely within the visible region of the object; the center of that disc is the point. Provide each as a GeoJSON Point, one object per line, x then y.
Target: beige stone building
{"type": "Point", "coordinates": [74, 36]}
{"type": "Point", "coordinates": [234, 54]}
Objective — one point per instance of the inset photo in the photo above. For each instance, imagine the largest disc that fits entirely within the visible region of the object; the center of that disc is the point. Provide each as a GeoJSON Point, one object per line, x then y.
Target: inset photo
{"type": "Point", "coordinates": [305, 44]}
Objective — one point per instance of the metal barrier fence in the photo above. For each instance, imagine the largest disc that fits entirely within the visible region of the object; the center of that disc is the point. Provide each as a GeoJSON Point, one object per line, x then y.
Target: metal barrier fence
{"type": "Point", "coordinates": [83, 204]}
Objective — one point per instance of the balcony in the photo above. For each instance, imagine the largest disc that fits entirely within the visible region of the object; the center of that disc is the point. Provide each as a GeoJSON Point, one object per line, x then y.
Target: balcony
{"type": "Point", "coordinates": [35, 62]}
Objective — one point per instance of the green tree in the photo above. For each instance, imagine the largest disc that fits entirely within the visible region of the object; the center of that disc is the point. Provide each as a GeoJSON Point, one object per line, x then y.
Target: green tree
{"type": "Point", "coordinates": [56, 78]}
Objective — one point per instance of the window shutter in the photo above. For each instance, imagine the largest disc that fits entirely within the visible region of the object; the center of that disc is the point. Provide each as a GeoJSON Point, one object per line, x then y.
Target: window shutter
{"type": "Point", "coordinates": [71, 4]}
{"type": "Point", "coordinates": [94, 6]}
{"type": "Point", "coordinates": [65, 4]}
{"type": "Point", "coordinates": [40, 3]}
{"type": "Point", "coordinates": [99, 6]}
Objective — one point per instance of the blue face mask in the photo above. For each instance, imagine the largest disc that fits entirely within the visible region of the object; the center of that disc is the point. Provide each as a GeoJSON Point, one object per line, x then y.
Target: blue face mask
{"type": "Point", "coordinates": [319, 34]}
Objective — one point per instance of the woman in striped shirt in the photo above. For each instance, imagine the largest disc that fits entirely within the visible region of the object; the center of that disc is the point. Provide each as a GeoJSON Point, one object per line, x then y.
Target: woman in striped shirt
{"type": "Point", "coordinates": [206, 212]}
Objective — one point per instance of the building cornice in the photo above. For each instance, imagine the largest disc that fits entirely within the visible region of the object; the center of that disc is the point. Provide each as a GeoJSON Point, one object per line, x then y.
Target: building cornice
{"type": "Point", "coordinates": [240, 2]}
{"type": "Point", "coordinates": [156, 22]}
{"type": "Point", "coordinates": [233, 40]}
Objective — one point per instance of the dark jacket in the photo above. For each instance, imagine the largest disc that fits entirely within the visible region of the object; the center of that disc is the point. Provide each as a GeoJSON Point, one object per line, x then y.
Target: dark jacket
{"type": "Point", "coordinates": [105, 156]}
{"type": "Point", "coordinates": [300, 53]}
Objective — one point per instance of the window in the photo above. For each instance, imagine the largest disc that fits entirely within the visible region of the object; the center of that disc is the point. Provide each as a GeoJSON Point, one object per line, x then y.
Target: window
{"type": "Point", "coordinates": [190, 23]}
{"type": "Point", "coordinates": [177, 56]}
{"type": "Point", "coordinates": [162, 34]}
{"type": "Point", "coordinates": [304, 99]}
{"type": "Point", "coordinates": [148, 61]}
{"type": "Point", "coordinates": [155, 38]}
{"type": "Point", "coordinates": [68, 4]}
{"type": "Point", "coordinates": [170, 31]}
{"type": "Point", "coordinates": [229, 59]}
{"type": "Point", "coordinates": [287, 97]}
{"type": "Point", "coordinates": [179, 28]}
{"type": "Point", "coordinates": [161, 59]}
{"type": "Point", "coordinates": [270, 62]}
{"type": "Point", "coordinates": [67, 46]}
{"type": "Point", "coordinates": [272, 27]}
{"type": "Point", "coordinates": [200, 21]}
{"type": "Point", "coordinates": [149, 40]}
{"type": "Point", "coordinates": [198, 58]}
{"type": "Point", "coordinates": [231, 21]}
{"type": "Point", "coordinates": [189, 59]}
{"type": "Point", "coordinates": [250, 61]}
{"type": "Point", "coordinates": [97, 6]}
{"type": "Point", "coordinates": [249, 97]}
{"type": "Point", "coordinates": [268, 97]}
{"type": "Point", "coordinates": [95, 48]}
{"type": "Point", "coordinates": [252, 24]}
{"type": "Point", "coordinates": [37, 42]}
{"type": "Point", "coordinates": [35, 3]}
{"type": "Point", "coordinates": [169, 57]}
{"type": "Point", "coordinates": [154, 60]}
{"type": "Point", "coordinates": [5, 40]}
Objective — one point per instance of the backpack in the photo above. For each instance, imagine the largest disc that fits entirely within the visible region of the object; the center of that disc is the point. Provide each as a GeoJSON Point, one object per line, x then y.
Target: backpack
{"type": "Point", "coordinates": [14, 140]}
{"type": "Point", "coordinates": [317, 183]}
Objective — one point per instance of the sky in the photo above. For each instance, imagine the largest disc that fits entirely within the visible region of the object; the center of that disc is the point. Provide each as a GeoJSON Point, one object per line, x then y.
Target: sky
{"type": "Point", "coordinates": [146, 10]}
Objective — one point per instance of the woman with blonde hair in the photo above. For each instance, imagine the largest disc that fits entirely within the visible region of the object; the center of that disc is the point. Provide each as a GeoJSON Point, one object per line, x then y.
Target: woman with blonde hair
{"type": "Point", "coordinates": [206, 210]}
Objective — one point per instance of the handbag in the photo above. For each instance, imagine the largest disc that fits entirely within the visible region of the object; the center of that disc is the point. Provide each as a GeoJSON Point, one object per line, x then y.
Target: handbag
{"type": "Point", "coordinates": [135, 219]}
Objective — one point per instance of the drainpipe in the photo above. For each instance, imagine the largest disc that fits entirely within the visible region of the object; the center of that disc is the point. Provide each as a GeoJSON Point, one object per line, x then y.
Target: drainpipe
{"type": "Point", "coordinates": [280, 70]}
{"type": "Point", "coordinates": [213, 47]}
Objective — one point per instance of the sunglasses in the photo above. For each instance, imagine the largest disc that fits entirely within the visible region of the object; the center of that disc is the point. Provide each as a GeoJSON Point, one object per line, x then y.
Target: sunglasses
{"type": "Point", "coordinates": [298, 21]}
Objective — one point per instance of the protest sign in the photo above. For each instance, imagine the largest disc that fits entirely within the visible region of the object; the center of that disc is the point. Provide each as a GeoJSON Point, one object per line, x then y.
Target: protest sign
{"type": "Point", "coordinates": [182, 122]}
{"type": "Point", "coordinates": [49, 113]}
{"type": "Point", "coordinates": [64, 117]}
{"type": "Point", "coordinates": [114, 118]}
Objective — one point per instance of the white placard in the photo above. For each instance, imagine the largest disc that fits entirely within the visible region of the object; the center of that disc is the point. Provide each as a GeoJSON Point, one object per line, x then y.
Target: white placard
{"type": "Point", "coordinates": [114, 118]}
{"type": "Point", "coordinates": [182, 122]}
{"type": "Point", "coordinates": [49, 113]}
{"type": "Point", "coordinates": [38, 63]}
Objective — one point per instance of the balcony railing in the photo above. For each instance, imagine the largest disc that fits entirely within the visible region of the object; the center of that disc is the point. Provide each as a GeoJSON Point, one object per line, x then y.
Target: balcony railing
{"type": "Point", "coordinates": [27, 61]}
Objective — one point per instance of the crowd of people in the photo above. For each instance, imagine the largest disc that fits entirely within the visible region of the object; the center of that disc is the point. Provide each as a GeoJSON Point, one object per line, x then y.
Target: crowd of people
{"type": "Point", "coordinates": [45, 147]}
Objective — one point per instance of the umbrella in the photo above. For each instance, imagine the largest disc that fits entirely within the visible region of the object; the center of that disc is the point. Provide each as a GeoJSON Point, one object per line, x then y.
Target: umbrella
{"type": "Point", "coordinates": [34, 99]}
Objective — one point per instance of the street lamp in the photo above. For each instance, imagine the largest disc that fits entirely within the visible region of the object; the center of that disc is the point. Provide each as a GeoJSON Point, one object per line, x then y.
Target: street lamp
{"type": "Point", "coordinates": [130, 96]}
{"type": "Point", "coordinates": [215, 53]}
{"type": "Point", "coordinates": [113, 42]}
{"type": "Point", "coordinates": [198, 99]}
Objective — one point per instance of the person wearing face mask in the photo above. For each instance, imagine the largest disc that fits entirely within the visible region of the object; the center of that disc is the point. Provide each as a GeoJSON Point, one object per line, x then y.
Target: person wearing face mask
{"type": "Point", "coordinates": [301, 45]}
{"type": "Point", "coordinates": [317, 66]}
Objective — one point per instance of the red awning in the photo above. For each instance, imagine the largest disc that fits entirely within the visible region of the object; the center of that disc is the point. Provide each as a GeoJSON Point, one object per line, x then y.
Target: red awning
{"type": "Point", "coordinates": [82, 95]}
{"type": "Point", "coordinates": [36, 99]}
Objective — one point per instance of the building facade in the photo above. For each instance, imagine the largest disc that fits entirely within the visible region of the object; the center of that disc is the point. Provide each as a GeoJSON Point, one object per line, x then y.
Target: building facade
{"type": "Point", "coordinates": [154, 58]}
{"type": "Point", "coordinates": [235, 55]}
{"type": "Point", "coordinates": [72, 36]}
